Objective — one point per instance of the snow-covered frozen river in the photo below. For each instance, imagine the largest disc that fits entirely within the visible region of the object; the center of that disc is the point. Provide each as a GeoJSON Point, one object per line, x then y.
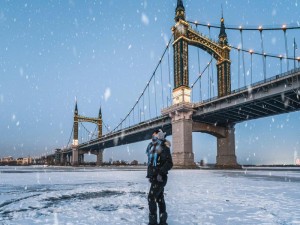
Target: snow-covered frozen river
{"type": "Point", "coordinates": [31, 195]}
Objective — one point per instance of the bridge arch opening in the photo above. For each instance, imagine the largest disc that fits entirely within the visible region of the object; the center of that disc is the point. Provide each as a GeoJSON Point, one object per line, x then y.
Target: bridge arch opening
{"type": "Point", "coordinates": [204, 152]}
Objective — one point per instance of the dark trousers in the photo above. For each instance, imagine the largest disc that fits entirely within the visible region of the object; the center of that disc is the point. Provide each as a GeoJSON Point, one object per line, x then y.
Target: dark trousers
{"type": "Point", "coordinates": [156, 196]}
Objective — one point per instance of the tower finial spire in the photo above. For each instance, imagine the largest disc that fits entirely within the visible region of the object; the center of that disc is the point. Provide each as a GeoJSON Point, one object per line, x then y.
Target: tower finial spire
{"type": "Point", "coordinates": [180, 11]}
{"type": "Point", "coordinates": [222, 35]}
{"type": "Point", "coordinates": [179, 3]}
{"type": "Point", "coordinates": [100, 113]}
{"type": "Point", "coordinates": [76, 109]}
{"type": "Point", "coordinates": [222, 11]}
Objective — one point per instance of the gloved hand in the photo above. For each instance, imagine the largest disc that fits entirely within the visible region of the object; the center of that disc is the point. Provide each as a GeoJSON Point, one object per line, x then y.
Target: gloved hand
{"type": "Point", "coordinates": [159, 178]}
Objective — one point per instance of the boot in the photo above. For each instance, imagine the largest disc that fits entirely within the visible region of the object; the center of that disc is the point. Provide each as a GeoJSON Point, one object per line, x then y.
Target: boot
{"type": "Point", "coordinates": [152, 219]}
{"type": "Point", "coordinates": [163, 218]}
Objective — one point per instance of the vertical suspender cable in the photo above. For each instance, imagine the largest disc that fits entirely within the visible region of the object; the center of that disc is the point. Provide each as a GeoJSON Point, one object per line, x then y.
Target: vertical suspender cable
{"type": "Point", "coordinates": [139, 114]}
{"type": "Point", "coordinates": [295, 47]}
{"type": "Point", "coordinates": [239, 65]}
{"type": "Point", "coordinates": [265, 60]}
{"type": "Point", "coordinates": [133, 115]}
{"type": "Point", "coordinates": [169, 74]}
{"type": "Point", "coordinates": [129, 120]}
{"type": "Point", "coordinates": [211, 82]}
{"type": "Point", "coordinates": [211, 79]}
{"type": "Point", "coordinates": [286, 48]}
{"type": "Point", "coordinates": [243, 58]}
{"type": "Point", "coordinates": [154, 84]}
{"type": "Point", "coordinates": [199, 69]}
{"type": "Point", "coordinates": [251, 67]}
{"type": "Point", "coordinates": [149, 101]}
{"type": "Point", "coordinates": [281, 64]}
{"type": "Point", "coordinates": [80, 132]}
{"type": "Point", "coordinates": [161, 84]}
{"type": "Point", "coordinates": [144, 105]}
{"type": "Point", "coordinates": [262, 52]}
{"type": "Point", "coordinates": [208, 82]}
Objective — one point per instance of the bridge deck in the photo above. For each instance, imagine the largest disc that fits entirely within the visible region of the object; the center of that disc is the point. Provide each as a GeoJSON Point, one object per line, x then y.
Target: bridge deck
{"type": "Point", "coordinates": [277, 95]}
{"type": "Point", "coordinates": [140, 132]}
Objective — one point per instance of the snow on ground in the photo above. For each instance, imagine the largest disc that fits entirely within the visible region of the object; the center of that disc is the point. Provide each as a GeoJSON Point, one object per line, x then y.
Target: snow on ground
{"type": "Point", "coordinates": [31, 195]}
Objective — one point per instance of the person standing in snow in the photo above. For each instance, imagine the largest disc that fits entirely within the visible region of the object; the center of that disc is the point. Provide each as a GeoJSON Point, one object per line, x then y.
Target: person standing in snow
{"type": "Point", "coordinates": [159, 163]}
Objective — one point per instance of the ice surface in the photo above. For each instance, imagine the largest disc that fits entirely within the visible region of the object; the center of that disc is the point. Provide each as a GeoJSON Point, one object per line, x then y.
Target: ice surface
{"type": "Point", "coordinates": [51, 195]}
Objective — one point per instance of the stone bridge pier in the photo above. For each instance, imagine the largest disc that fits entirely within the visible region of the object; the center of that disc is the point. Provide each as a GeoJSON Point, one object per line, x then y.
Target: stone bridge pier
{"type": "Point", "coordinates": [225, 135]}
{"type": "Point", "coordinates": [75, 156]}
{"type": "Point", "coordinates": [182, 141]}
{"type": "Point", "coordinates": [99, 155]}
{"type": "Point", "coordinates": [78, 156]}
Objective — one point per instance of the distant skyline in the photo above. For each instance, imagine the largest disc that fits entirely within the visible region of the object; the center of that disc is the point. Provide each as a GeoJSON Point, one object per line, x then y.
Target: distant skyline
{"type": "Point", "coordinates": [103, 53]}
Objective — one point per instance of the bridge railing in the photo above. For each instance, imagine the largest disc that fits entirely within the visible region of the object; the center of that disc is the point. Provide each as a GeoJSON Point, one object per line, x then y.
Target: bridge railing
{"type": "Point", "coordinates": [257, 83]}
{"type": "Point", "coordinates": [122, 131]}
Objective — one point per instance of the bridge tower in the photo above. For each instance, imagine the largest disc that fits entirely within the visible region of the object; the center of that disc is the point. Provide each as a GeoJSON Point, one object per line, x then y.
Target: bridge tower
{"type": "Point", "coordinates": [181, 111]}
{"type": "Point", "coordinates": [76, 156]}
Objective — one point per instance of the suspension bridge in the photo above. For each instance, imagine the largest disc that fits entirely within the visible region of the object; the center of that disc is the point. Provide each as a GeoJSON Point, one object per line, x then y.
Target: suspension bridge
{"type": "Point", "coordinates": [183, 108]}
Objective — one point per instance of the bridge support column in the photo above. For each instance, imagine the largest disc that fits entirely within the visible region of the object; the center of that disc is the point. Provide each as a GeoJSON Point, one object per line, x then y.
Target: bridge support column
{"type": "Point", "coordinates": [75, 156]}
{"type": "Point", "coordinates": [182, 129]}
{"type": "Point", "coordinates": [226, 157]}
{"type": "Point", "coordinates": [63, 159]}
{"type": "Point", "coordinates": [81, 158]}
{"type": "Point", "coordinates": [99, 157]}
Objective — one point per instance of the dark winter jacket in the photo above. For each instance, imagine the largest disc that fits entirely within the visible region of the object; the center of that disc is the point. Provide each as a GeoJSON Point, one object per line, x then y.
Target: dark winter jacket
{"type": "Point", "coordinates": [159, 159]}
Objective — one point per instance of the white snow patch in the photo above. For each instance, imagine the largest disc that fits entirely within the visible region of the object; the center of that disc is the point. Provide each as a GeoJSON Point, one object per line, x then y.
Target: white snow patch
{"type": "Point", "coordinates": [145, 19]}
{"type": "Point", "coordinates": [107, 94]}
{"type": "Point", "coordinates": [119, 196]}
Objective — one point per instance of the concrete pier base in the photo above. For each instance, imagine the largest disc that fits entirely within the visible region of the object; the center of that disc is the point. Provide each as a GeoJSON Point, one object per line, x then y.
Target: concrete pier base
{"type": "Point", "coordinates": [99, 157]}
{"type": "Point", "coordinates": [182, 139]}
{"type": "Point", "coordinates": [226, 157]}
{"type": "Point", "coordinates": [75, 155]}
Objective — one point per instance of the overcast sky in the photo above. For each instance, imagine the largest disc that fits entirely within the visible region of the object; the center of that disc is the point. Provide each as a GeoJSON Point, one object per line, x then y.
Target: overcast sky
{"type": "Point", "coordinates": [104, 52]}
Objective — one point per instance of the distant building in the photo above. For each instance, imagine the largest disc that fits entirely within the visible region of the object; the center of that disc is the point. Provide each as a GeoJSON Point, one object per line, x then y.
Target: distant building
{"type": "Point", "coordinates": [134, 163]}
{"type": "Point", "coordinates": [7, 159]}
{"type": "Point", "coordinates": [24, 161]}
